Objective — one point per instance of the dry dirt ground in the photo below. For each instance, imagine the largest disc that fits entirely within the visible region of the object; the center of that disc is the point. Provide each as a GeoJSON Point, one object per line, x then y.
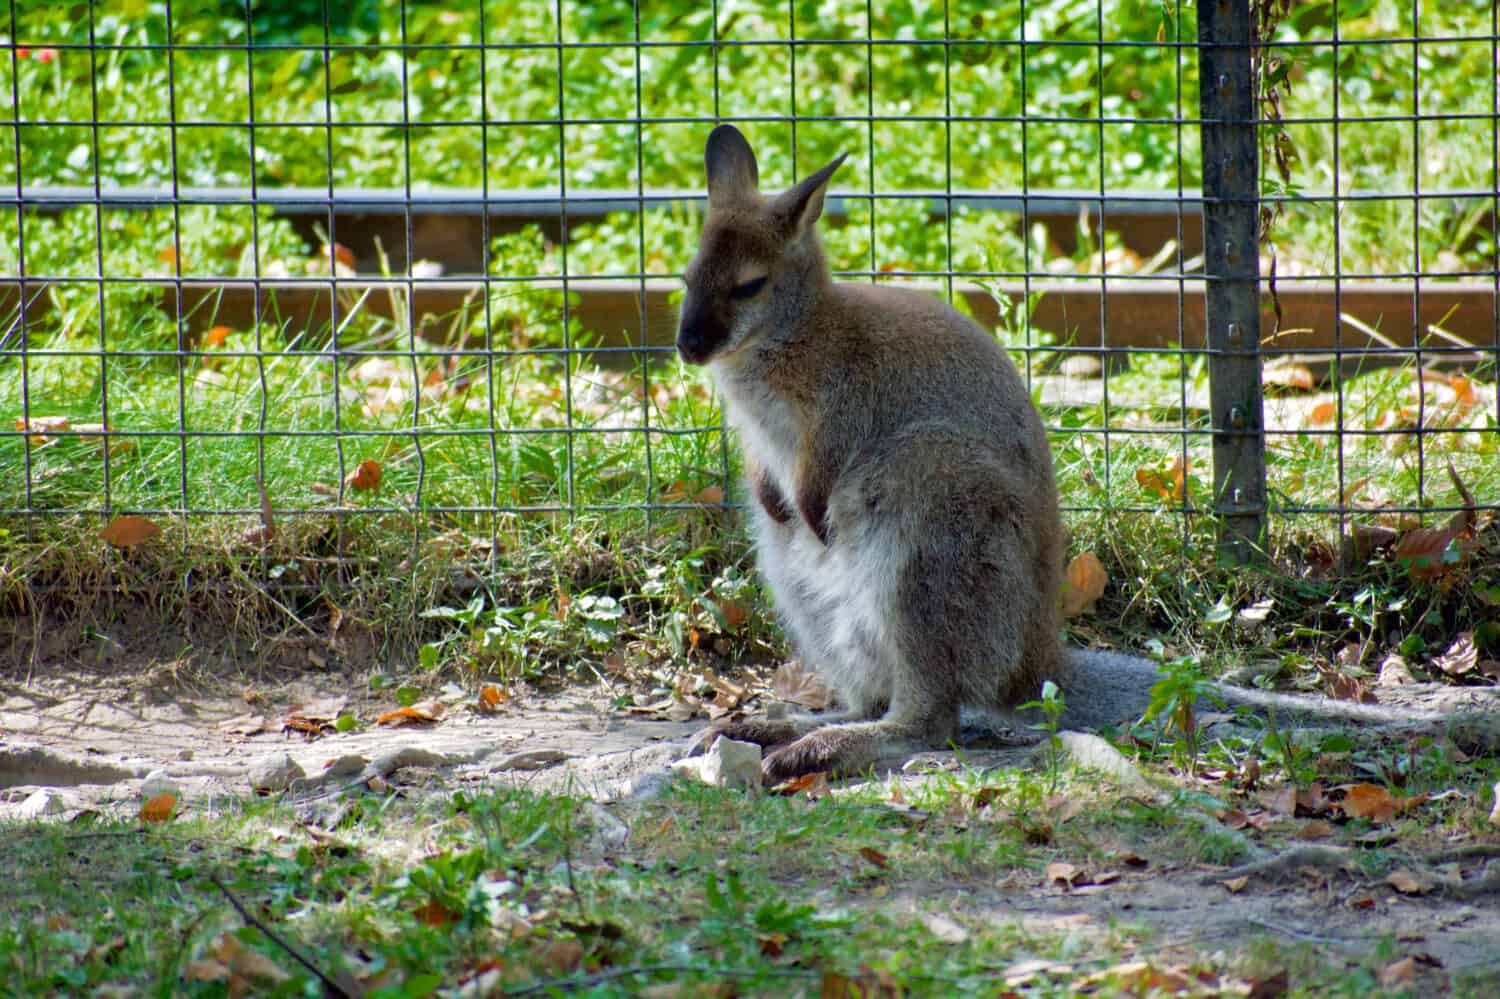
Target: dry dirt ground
{"type": "Point", "coordinates": [95, 739]}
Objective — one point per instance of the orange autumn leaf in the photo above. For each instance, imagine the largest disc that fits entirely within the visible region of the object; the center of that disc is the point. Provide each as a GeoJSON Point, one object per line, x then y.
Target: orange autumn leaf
{"type": "Point", "coordinates": [711, 496]}
{"type": "Point", "coordinates": [814, 785]}
{"type": "Point", "coordinates": [40, 426]}
{"type": "Point", "coordinates": [1086, 580]}
{"type": "Point", "coordinates": [1373, 802]}
{"type": "Point", "coordinates": [216, 336]}
{"type": "Point", "coordinates": [1463, 390]}
{"type": "Point", "coordinates": [1323, 412]}
{"type": "Point", "coordinates": [343, 255]}
{"type": "Point", "coordinates": [159, 808]}
{"type": "Point", "coordinates": [735, 614]}
{"type": "Point", "coordinates": [491, 697]}
{"type": "Point", "coordinates": [421, 713]}
{"type": "Point", "coordinates": [128, 530]}
{"type": "Point", "coordinates": [1169, 484]}
{"type": "Point", "coordinates": [366, 476]}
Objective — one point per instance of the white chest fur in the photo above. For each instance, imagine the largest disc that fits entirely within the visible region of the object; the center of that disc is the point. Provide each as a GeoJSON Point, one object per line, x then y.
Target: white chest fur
{"type": "Point", "coordinates": [766, 426]}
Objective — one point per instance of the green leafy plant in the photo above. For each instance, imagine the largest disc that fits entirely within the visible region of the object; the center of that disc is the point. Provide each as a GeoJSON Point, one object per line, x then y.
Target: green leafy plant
{"type": "Point", "coordinates": [1051, 704]}
{"type": "Point", "coordinates": [1174, 703]}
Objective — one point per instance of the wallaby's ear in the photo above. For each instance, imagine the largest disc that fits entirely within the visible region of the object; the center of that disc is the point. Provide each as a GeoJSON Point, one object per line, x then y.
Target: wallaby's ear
{"type": "Point", "coordinates": [801, 206]}
{"type": "Point", "coordinates": [732, 174]}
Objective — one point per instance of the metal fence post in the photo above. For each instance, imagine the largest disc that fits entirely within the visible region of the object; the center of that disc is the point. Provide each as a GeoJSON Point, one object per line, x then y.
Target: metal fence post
{"type": "Point", "coordinates": [1232, 265]}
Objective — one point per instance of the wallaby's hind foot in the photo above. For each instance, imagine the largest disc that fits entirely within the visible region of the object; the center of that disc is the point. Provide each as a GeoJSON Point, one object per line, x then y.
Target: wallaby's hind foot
{"type": "Point", "coordinates": [766, 733]}
{"type": "Point", "coordinates": [847, 750]}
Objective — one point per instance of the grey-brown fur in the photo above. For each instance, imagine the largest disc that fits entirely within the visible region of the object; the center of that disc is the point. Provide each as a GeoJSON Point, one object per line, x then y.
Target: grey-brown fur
{"type": "Point", "coordinates": [905, 515]}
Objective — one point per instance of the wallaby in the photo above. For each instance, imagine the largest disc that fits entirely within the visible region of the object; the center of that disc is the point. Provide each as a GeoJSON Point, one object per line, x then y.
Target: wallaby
{"type": "Point", "coordinates": [905, 516]}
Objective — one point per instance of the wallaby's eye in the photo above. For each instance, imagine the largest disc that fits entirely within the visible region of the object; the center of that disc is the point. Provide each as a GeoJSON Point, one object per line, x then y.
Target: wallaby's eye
{"type": "Point", "coordinates": [749, 289]}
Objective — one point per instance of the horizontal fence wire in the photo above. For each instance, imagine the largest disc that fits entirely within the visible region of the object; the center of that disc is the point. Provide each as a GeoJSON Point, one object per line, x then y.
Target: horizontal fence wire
{"type": "Point", "coordinates": [415, 265]}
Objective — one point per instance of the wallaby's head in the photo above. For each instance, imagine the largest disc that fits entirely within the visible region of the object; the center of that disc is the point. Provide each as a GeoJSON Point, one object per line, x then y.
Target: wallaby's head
{"type": "Point", "coordinates": [758, 260]}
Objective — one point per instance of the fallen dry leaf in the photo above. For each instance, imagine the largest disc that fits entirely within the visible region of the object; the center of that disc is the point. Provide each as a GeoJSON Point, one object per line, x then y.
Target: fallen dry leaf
{"type": "Point", "coordinates": [1061, 809]}
{"type": "Point", "coordinates": [1402, 972]}
{"type": "Point", "coordinates": [1085, 581]}
{"type": "Point", "coordinates": [265, 533]}
{"type": "Point", "coordinates": [205, 970]}
{"type": "Point", "coordinates": [1323, 413]}
{"type": "Point", "coordinates": [491, 697]}
{"type": "Point", "coordinates": [1343, 687]}
{"type": "Point", "coordinates": [1271, 987]}
{"type": "Point", "coordinates": [711, 496]}
{"type": "Point", "coordinates": [158, 809]}
{"type": "Point", "coordinates": [129, 530]}
{"type": "Point", "coordinates": [1169, 484]}
{"type": "Point", "coordinates": [1142, 978]}
{"type": "Point", "coordinates": [1289, 374]}
{"type": "Point", "coordinates": [797, 684]}
{"type": "Point", "coordinates": [1316, 829]}
{"type": "Point", "coordinates": [1067, 875]}
{"type": "Point", "coordinates": [433, 913]}
{"type": "Point", "coordinates": [1373, 802]}
{"type": "Point", "coordinates": [1405, 882]}
{"type": "Point", "coordinates": [1234, 818]}
{"type": "Point", "coordinates": [1367, 539]}
{"type": "Point", "coordinates": [559, 956]}
{"type": "Point", "coordinates": [247, 968]}
{"type": "Point", "coordinates": [40, 426]}
{"type": "Point", "coordinates": [422, 713]}
{"type": "Point", "coordinates": [771, 944]}
{"type": "Point", "coordinates": [98, 434]}
{"type": "Point", "coordinates": [813, 785]}
{"type": "Point", "coordinates": [1429, 553]}
{"type": "Point", "coordinates": [735, 614]}
{"type": "Point", "coordinates": [874, 856]}
{"type": "Point", "coordinates": [1235, 885]}
{"type": "Point", "coordinates": [216, 336]}
{"type": "Point", "coordinates": [1462, 656]}
{"type": "Point", "coordinates": [366, 476]}
{"type": "Point", "coordinates": [343, 257]}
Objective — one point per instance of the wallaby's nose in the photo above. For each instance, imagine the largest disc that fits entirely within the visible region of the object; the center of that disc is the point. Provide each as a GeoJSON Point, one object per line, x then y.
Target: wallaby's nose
{"type": "Point", "coordinates": [699, 332]}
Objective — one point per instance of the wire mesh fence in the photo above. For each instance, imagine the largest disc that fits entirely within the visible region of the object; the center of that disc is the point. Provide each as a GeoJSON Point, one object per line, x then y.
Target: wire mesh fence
{"type": "Point", "coordinates": [415, 263]}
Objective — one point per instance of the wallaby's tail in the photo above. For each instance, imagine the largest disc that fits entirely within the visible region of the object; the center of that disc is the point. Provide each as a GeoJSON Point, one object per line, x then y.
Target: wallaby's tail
{"type": "Point", "coordinates": [1110, 688]}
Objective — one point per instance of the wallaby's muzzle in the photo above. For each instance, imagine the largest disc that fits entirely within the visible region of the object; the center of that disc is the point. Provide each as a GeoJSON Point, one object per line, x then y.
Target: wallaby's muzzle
{"type": "Point", "coordinates": [700, 333]}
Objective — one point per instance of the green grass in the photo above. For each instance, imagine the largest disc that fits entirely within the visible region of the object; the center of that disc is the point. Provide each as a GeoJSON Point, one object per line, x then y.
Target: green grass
{"type": "Point", "coordinates": [435, 139]}
{"type": "Point", "coordinates": [409, 893]}
{"type": "Point", "coordinates": [476, 419]}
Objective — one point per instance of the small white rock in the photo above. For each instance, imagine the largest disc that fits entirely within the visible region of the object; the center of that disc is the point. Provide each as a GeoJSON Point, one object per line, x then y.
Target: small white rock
{"type": "Point", "coordinates": [275, 773]}
{"type": "Point", "coordinates": [1080, 366]}
{"type": "Point", "coordinates": [732, 764]}
{"type": "Point", "coordinates": [944, 928]}
{"type": "Point", "coordinates": [157, 783]}
{"type": "Point", "coordinates": [43, 802]}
